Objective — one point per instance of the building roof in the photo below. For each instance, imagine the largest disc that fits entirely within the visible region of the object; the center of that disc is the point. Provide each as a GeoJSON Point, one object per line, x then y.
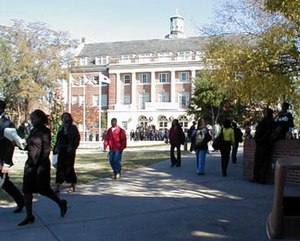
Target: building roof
{"type": "Point", "coordinates": [116, 49]}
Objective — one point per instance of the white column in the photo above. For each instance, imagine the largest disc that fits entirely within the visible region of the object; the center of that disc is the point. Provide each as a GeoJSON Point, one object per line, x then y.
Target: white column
{"type": "Point", "coordinates": [193, 76]}
{"type": "Point", "coordinates": [153, 87]}
{"type": "Point", "coordinates": [133, 90]}
{"type": "Point", "coordinates": [173, 87]}
{"type": "Point", "coordinates": [70, 94]}
{"type": "Point", "coordinates": [118, 90]}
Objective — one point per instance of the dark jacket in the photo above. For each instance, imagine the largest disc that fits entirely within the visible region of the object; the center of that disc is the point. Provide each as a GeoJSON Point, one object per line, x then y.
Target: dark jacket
{"type": "Point", "coordinates": [264, 131]}
{"type": "Point", "coordinates": [6, 146]}
{"type": "Point", "coordinates": [73, 138]}
{"type": "Point", "coordinates": [37, 167]}
{"type": "Point", "coordinates": [174, 135]}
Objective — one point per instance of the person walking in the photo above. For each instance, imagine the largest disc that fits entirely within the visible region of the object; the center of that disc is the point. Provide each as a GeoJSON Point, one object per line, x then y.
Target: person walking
{"type": "Point", "coordinates": [264, 145]}
{"type": "Point", "coordinates": [115, 139]}
{"type": "Point", "coordinates": [238, 137]}
{"type": "Point", "coordinates": [176, 135]}
{"type": "Point", "coordinates": [6, 160]}
{"type": "Point", "coordinates": [36, 178]}
{"type": "Point", "coordinates": [67, 141]}
{"type": "Point", "coordinates": [200, 137]}
{"type": "Point", "coordinates": [190, 133]}
{"type": "Point", "coordinates": [225, 149]}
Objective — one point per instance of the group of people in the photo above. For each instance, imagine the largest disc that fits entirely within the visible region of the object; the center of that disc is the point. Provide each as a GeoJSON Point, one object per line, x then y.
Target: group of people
{"type": "Point", "coordinates": [37, 170]}
{"type": "Point", "coordinates": [148, 133]}
{"type": "Point", "coordinates": [200, 136]}
{"type": "Point", "coordinates": [269, 130]}
{"type": "Point", "coordinates": [36, 178]}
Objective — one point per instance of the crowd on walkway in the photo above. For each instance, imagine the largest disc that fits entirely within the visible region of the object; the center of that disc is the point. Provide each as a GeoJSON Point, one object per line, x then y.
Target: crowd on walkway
{"type": "Point", "coordinates": [36, 177]}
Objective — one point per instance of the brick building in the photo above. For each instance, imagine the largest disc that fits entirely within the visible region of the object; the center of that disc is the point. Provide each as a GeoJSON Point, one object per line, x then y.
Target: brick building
{"type": "Point", "coordinates": [141, 83]}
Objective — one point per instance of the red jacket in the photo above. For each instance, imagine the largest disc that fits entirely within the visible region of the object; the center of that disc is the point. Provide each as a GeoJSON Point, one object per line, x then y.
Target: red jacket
{"type": "Point", "coordinates": [173, 136]}
{"type": "Point", "coordinates": [115, 140]}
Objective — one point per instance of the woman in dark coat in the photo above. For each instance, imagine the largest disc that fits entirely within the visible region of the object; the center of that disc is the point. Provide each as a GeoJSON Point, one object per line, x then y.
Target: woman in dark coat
{"type": "Point", "coordinates": [175, 134]}
{"type": "Point", "coordinates": [67, 141]}
{"type": "Point", "coordinates": [264, 145]}
{"type": "Point", "coordinates": [36, 177]}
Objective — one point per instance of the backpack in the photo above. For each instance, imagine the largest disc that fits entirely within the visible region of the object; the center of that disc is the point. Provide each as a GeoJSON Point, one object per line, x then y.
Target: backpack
{"type": "Point", "coordinates": [199, 137]}
{"type": "Point", "coordinates": [181, 136]}
{"type": "Point", "coordinates": [190, 131]}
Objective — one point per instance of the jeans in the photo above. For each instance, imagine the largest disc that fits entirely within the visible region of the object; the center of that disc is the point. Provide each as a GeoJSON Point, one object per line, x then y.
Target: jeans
{"type": "Point", "coordinates": [200, 158]}
{"type": "Point", "coordinates": [115, 158]}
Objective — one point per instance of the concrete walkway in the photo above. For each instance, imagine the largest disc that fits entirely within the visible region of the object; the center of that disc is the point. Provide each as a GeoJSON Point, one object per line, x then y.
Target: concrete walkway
{"type": "Point", "coordinates": [155, 203]}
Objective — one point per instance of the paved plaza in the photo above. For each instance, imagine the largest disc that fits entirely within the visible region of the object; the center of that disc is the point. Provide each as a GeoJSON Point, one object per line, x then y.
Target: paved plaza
{"type": "Point", "coordinates": [155, 203]}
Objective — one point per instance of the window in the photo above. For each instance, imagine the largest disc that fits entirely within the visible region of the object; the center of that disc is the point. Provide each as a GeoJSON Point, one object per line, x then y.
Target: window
{"type": "Point", "coordinates": [95, 100]}
{"type": "Point", "coordinates": [184, 55]}
{"type": "Point", "coordinates": [95, 80]}
{"type": "Point", "coordinates": [144, 78]}
{"type": "Point", "coordinates": [127, 79]}
{"type": "Point", "coordinates": [164, 56]}
{"type": "Point", "coordinates": [74, 99]}
{"type": "Point", "coordinates": [126, 99]}
{"type": "Point", "coordinates": [83, 61]}
{"type": "Point", "coordinates": [144, 58]}
{"type": "Point", "coordinates": [183, 122]}
{"type": "Point", "coordinates": [126, 58]}
{"type": "Point", "coordinates": [144, 97]}
{"type": "Point", "coordinates": [164, 78]}
{"type": "Point", "coordinates": [75, 83]}
{"type": "Point", "coordinates": [162, 122]}
{"type": "Point", "coordinates": [164, 97]}
{"type": "Point", "coordinates": [81, 100]}
{"type": "Point", "coordinates": [199, 55]}
{"type": "Point", "coordinates": [104, 100]}
{"type": "Point", "coordinates": [183, 99]}
{"type": "Point", "coordinates": [143, 121]}
{"type": "Point", "coordinates": [184, 77]}
{"type": "Point", "coordinates": [101, 60]}
{"type": "Point", "coordinates": [124, 125]}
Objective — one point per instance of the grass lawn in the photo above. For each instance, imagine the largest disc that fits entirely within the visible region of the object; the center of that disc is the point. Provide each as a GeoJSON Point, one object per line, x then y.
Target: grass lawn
{"type": "Point", "coordinates": [94, 166]}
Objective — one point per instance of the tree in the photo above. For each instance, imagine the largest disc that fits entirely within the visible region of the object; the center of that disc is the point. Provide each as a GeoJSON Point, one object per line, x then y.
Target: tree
{"type": "Point", "coordinates": [207, 100]}
{"type": "Point", "coordinates": [5, 64]}
{"type": "Point", "coordinates": [57, 109]}
{"type": "Point", "coordinates": [258, 65]}
{"type": "Point", "coordinates": [39, 57]}
{"type": "Point", "coordinates": [290, 9]}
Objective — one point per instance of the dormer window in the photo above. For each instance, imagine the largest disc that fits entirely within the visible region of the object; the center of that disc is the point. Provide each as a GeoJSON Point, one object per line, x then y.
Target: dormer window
{"type": "Point", "coordinates": [101, 60]}
{"type": "Point", "coordinates": [126, 58]}
{"type": "Point", "coordinates": [184, 55]}
{"type": "Point", "coordinates": [199, 55]}
{"type": "Point", "coordinates": [164, 56]}
{"type": "Point", "coordinates": [146, 57]}
{"type": "Point", "coordinates": [83, 61]}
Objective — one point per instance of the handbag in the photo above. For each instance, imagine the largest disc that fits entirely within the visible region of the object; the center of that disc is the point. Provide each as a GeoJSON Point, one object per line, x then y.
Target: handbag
{"type": "Point", "coordinates": [218, 142]}
{"type": "Point", "coordinates": [54, 160]}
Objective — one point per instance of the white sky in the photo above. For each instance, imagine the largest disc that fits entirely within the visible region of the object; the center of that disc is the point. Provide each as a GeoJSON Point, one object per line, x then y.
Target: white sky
{"type": "Point", "coordinates": [110, 20]}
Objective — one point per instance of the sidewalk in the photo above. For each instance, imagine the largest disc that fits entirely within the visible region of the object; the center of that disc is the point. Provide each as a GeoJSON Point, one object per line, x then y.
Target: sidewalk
{"type": "Point", "coordinates": [156, 203]}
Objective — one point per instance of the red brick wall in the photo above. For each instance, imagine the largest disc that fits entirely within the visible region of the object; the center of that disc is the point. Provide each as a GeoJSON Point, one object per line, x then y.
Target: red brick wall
{"type": "Point", "coordinates": [282, 148]}
{"type": "Point", "coordinates": [112, 87]}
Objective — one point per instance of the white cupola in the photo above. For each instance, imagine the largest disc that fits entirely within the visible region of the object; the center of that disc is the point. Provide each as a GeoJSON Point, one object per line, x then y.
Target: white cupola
{"type": "Point", "coordinates": [176, 26]}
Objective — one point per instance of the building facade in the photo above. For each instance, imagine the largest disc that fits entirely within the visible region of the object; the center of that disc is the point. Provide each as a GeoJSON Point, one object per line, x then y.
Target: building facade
{"type": "Point", "coordinates": [141, 83]}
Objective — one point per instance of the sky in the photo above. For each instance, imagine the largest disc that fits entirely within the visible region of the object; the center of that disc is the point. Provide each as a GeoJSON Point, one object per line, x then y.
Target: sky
{"type": "Point", "coordinates": [110, 20]}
